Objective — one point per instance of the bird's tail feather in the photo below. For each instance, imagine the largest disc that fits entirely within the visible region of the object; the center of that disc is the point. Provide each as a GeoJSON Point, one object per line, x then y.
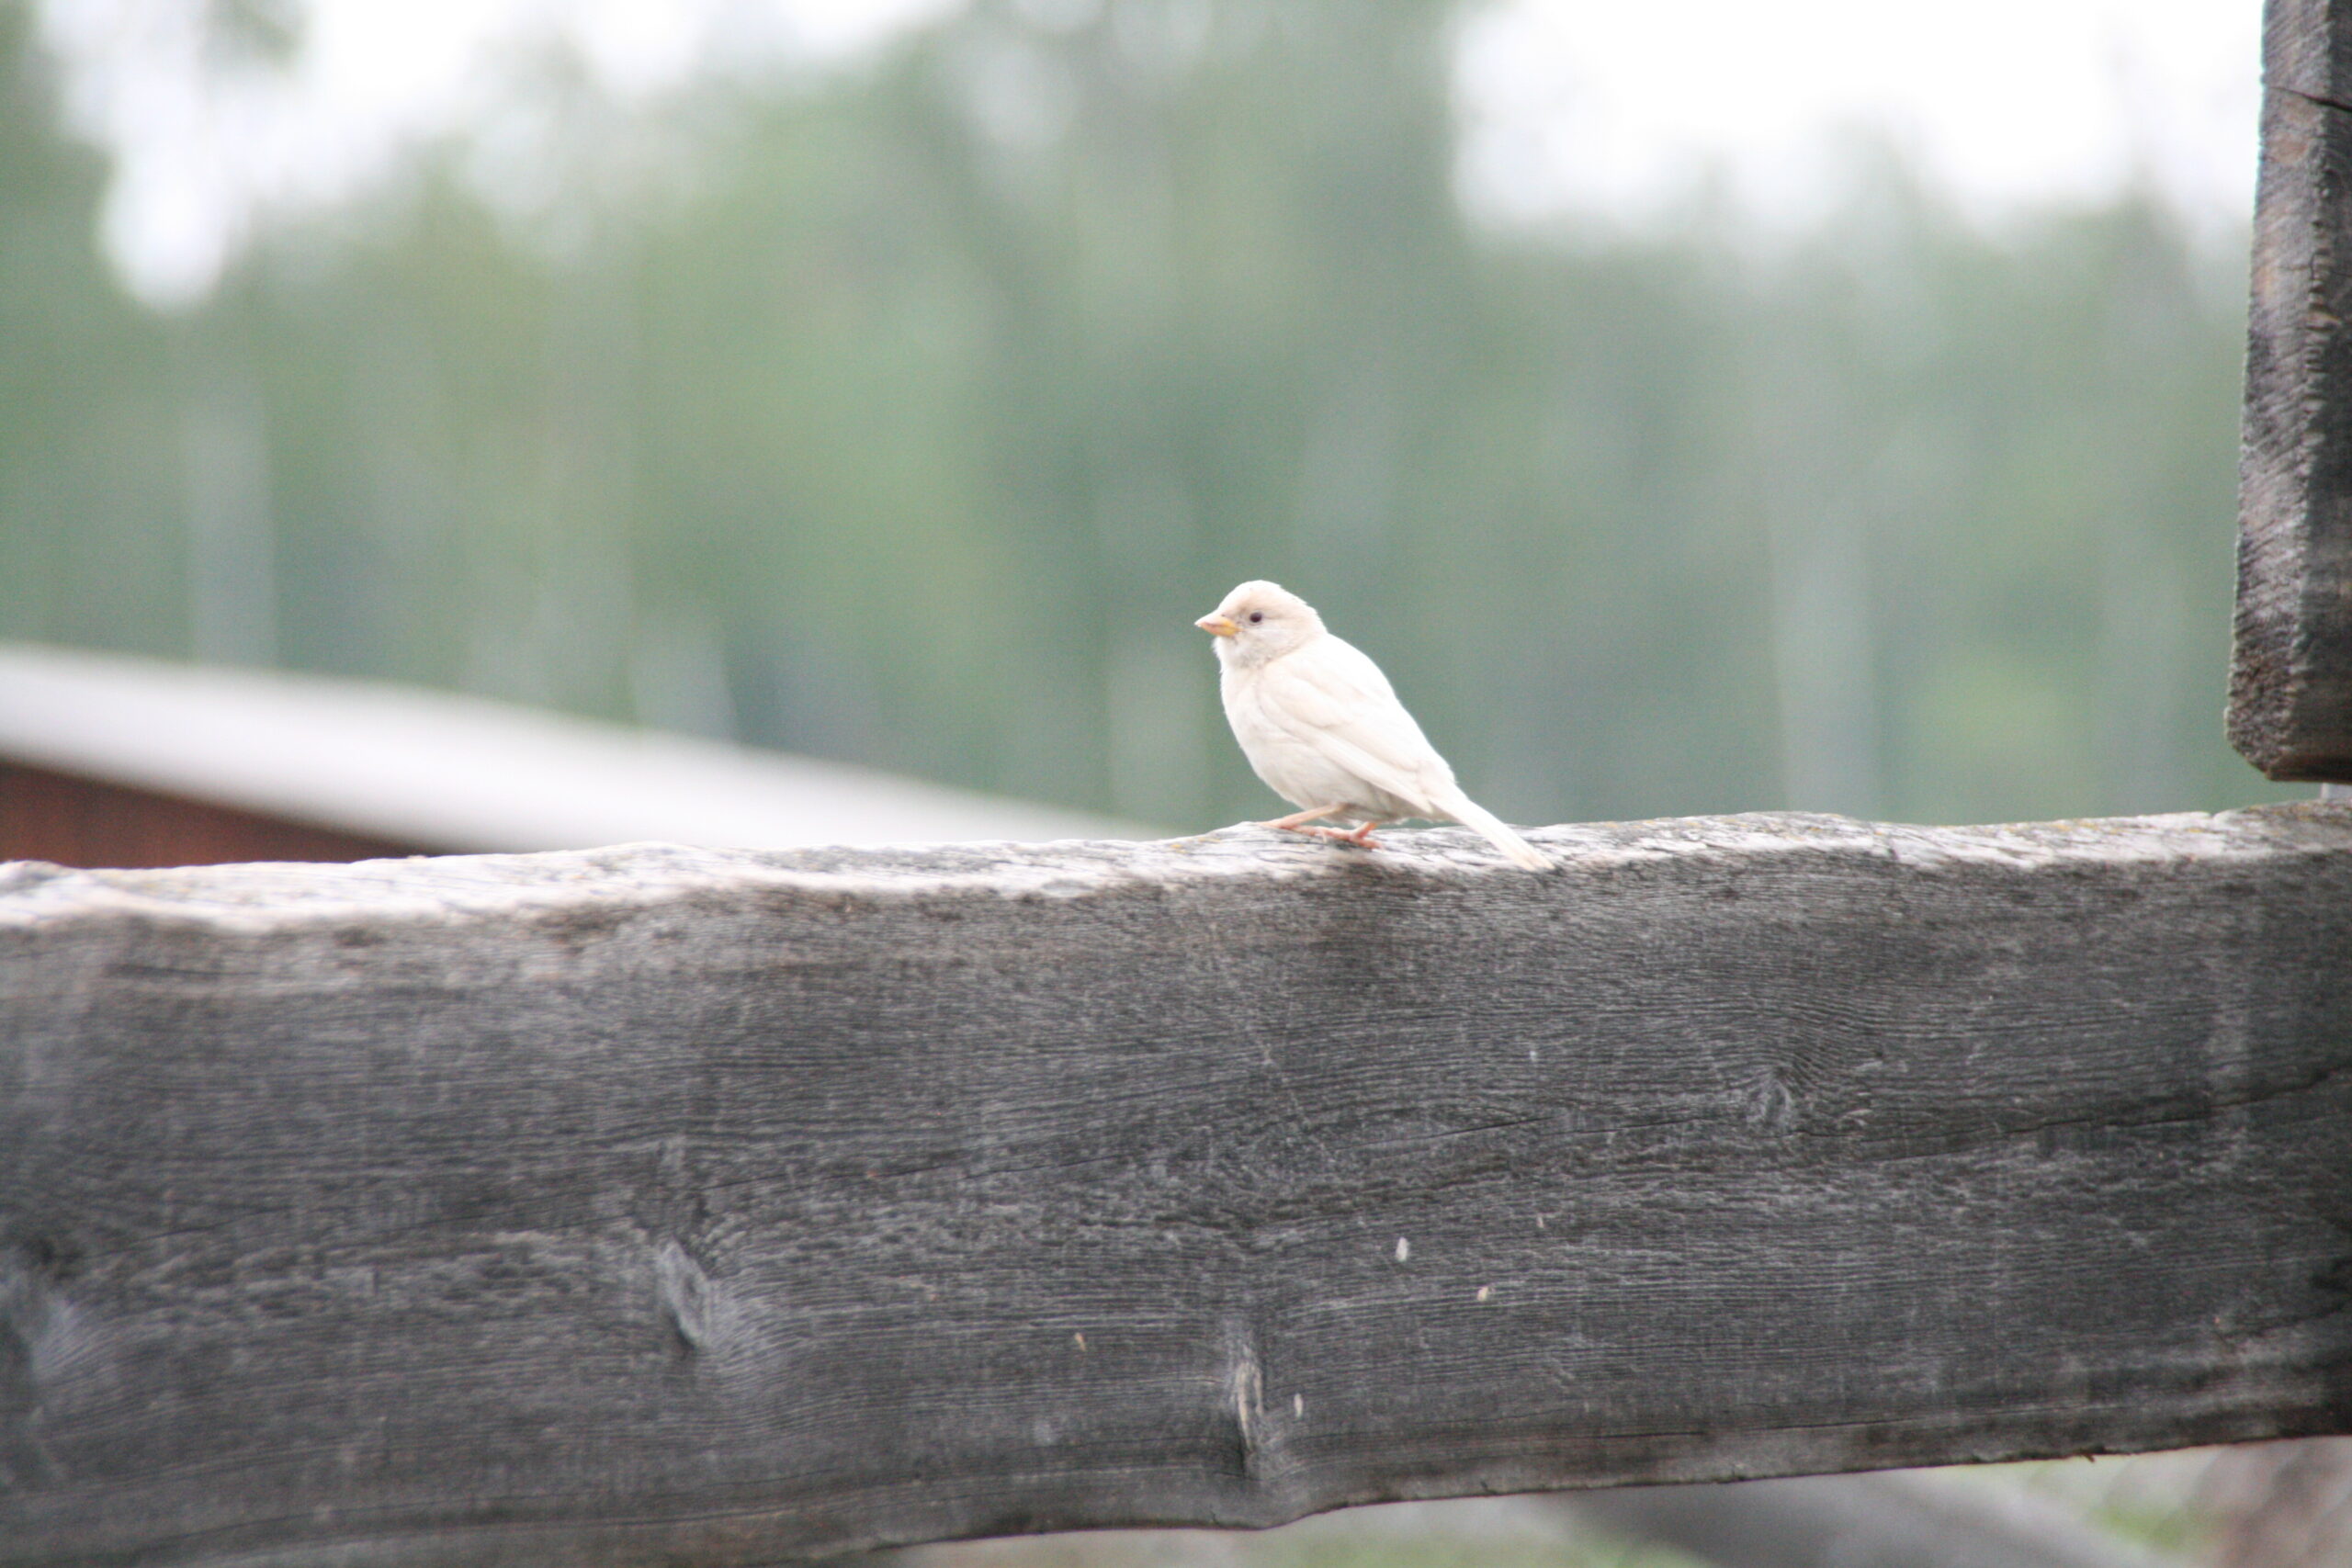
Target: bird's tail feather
{"type": "Point", "coordinates": [1470, 814]}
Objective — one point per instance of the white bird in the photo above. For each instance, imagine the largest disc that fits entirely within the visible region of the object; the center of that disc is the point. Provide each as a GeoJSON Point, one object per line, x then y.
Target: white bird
{"type": "Point", "coordinates": [1321, 725]}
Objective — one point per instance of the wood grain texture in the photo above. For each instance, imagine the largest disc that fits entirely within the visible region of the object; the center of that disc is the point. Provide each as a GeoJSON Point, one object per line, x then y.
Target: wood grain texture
{"type": "Point", "coordinates": [2291, 689]}
{"type": "Point", "coordinates": [668, 1206]}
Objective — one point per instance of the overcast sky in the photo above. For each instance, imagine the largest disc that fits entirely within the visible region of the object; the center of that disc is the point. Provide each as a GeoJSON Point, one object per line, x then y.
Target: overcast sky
{"type": "Point", "coordinates": [1597, 106]}
{"type": "Point", "coordinates": [1613, 106]}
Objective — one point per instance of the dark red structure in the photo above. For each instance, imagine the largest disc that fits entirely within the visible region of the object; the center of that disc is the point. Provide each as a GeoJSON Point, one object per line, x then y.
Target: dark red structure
{"type": "Point", "coordinates": [87, 822]}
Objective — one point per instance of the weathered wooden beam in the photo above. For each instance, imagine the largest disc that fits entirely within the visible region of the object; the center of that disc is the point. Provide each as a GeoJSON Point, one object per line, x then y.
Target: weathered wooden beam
{"type": "Point", "coordinates": [2290, 687]}
{"type": "Point", "coordinates": [659, 1205]}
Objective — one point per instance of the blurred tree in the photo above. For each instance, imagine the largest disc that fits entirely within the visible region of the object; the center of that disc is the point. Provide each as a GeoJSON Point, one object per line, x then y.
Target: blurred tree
{"type": "Point", "coordinates": [909, 413]}
{"type": "Point", "coordinates": [89, 513]}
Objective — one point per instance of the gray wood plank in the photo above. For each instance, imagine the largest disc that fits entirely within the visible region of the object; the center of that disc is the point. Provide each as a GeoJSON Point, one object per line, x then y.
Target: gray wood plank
{"type": "Point", "coordinates": [661, 1205]}
{"type": "Point", "coordinates": [2291, 690]}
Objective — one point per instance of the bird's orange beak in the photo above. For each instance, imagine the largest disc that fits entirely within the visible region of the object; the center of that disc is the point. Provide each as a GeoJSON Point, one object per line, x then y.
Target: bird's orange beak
{"type": "Point", "coordinates": [1217, 626]}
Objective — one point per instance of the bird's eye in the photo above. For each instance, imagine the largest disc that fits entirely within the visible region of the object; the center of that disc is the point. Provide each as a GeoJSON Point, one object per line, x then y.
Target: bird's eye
{"type": "Point", "coordinates": [1256, 616]}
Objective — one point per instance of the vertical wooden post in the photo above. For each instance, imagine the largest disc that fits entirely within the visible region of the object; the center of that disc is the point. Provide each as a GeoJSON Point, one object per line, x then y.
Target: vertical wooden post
{"type": "Point", "coordinates": [2291, 689]}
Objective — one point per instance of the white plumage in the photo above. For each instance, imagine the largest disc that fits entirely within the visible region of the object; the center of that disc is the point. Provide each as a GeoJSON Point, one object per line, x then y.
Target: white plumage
{"type": "Point", "coordinates": [1321, 725]}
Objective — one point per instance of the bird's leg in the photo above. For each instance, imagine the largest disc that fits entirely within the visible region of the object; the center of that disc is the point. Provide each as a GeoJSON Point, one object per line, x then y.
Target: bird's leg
{"type": "Point", "coordinates": [1361, 838]}
{"type": "Point", "coordinates": [1292, 823]}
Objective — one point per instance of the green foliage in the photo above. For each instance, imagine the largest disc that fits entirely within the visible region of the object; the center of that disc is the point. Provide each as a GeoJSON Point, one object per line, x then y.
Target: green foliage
{"type": "Point", "coordinates": [89, 545]}
{"type": "Point", "coordinates": [912, 414]}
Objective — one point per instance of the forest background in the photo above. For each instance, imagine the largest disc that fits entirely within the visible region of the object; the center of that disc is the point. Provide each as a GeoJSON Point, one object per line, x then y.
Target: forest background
{"type": "Point", "coordinates": [909, 412]}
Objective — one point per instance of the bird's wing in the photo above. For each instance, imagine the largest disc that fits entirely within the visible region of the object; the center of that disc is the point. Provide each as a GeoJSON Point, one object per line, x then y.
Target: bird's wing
{"type": "Point", "coordinates": [1330, 695]}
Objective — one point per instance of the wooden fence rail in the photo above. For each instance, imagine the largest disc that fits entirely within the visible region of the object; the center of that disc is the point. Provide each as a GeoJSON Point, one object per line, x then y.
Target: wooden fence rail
{"type": "Point", "coordinates": [659, 1205]}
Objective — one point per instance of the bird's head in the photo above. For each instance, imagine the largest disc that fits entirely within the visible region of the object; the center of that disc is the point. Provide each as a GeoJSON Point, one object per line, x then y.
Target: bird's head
{"type": "Point", "coordinates": [1258, 621]}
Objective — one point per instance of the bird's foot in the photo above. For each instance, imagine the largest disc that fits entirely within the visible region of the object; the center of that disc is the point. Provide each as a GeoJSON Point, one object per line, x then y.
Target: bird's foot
{"type": "Point", "coordinates": [1299, 822]}
{"type": "Point", "coordinates": [1357, 838]}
